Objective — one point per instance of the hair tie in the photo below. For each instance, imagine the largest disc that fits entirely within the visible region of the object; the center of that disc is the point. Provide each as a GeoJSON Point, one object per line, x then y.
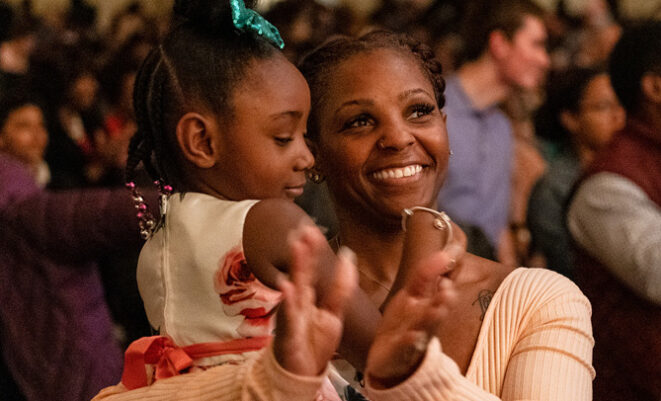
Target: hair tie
{"type": "Point", "coordinates": [247, 19]}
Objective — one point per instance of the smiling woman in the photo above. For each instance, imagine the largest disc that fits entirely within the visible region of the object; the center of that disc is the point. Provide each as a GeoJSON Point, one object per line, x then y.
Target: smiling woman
{"type": "Point", "coordinates": [379, 136]}
{"type": "Point", "coordinates": [383, 146]}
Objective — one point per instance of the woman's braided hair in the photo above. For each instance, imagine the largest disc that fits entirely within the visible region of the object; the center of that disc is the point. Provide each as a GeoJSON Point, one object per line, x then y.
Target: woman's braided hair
{"type": "Point", "coordinates": [196, 68]}
{"type": "Point", "coordinates": [318, 65]}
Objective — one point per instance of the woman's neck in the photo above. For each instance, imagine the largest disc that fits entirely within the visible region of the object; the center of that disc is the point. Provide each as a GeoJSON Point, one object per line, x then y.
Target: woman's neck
{"type": "Point", "coordinates": [378, 249]}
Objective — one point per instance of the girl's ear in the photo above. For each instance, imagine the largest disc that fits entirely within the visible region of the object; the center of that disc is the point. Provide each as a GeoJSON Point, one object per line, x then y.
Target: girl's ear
{"type": "Point", "coordinates": [197, 140]}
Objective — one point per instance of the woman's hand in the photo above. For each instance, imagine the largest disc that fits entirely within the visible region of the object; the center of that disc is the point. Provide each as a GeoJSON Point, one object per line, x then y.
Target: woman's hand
{"type": "Point", "coordinates": [309, 330]}
{"type": "Point", "coordinates": [423, 240]}
{"type": "Point", "coordinates": [410, 320]}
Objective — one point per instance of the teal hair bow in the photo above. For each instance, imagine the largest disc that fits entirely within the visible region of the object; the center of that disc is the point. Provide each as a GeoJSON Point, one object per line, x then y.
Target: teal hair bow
{"type": "Point", "coordinates": [245, 18]}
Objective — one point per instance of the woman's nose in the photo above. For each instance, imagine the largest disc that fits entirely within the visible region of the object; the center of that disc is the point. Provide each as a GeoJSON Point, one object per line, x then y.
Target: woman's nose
{"type": "Point", "coordinates": [395, 135]}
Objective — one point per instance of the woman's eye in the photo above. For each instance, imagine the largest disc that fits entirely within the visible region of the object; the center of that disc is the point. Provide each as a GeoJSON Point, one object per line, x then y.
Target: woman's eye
{"type": "Point", "coordinates": [421, 110]}
{"type": "Point", "coordinates": [359, 121]}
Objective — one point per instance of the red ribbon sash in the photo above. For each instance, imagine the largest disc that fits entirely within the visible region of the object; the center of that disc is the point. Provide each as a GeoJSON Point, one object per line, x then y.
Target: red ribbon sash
{"type": "Point", "coordinates": [170, 360]}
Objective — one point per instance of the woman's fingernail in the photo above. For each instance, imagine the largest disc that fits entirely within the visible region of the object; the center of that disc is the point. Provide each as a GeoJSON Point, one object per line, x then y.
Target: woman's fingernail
{"type": "Point", "coordinates": [454, 250]}
{"type": "Point", "coordinates": [346, 253]}
{"type": "Point", "coordinates": [280, 278]}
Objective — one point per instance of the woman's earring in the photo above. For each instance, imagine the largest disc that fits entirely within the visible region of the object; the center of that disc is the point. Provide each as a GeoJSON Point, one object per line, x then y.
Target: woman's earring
{"type": "Point", "coordinates": [315, 176]}
{"type": "Point", "coordinates": [450, 152]}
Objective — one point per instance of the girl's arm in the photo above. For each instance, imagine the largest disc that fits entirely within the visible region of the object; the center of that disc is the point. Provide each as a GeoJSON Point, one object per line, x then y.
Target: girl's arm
{"type": "Point", "coordinates": [294, 366]}
{"type": "Point", "coordinates": [267, 228]}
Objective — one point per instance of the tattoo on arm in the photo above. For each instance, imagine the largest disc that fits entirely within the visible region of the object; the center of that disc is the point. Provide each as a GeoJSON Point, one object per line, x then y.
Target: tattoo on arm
{"type": "Point", "coordinates": [483, 298]}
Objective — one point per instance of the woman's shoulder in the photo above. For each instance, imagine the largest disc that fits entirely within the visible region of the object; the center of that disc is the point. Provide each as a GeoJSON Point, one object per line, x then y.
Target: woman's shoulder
{"type": "Point", "coordinates": [536, 280]}
{"type": "Point", "coordinates": [529, 289]}
{"type": "Point", "coordinates": [527, 284]}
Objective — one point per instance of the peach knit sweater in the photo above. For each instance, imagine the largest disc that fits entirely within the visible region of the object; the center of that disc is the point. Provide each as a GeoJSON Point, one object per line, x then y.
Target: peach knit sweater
{"type": "Point", "coordinates": [535, 344]}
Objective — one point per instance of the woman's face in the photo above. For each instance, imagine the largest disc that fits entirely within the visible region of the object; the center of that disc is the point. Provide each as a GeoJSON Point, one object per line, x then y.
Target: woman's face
{"type": "Point", "coordinates": [382, 139]}
{"type": "Point", "coordinates": [599, 114]}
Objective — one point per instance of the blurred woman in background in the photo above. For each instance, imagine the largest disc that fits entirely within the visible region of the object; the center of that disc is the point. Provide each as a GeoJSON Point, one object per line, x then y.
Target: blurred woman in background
{"type": "Point", "coordinates": [580, 116]}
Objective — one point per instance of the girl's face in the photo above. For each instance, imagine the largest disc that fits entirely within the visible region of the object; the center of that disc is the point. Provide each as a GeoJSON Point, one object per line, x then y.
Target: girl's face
{"type": "Point", "coordinates": [264, 154]}
{"type": "Point", "coordinates": [599, 114]}
{"type": "Point", "coordinates": [382, 139]}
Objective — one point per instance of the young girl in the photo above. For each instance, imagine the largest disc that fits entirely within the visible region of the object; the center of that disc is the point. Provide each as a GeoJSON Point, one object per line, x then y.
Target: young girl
{"type": "Point", "coordinates": [221, 118]}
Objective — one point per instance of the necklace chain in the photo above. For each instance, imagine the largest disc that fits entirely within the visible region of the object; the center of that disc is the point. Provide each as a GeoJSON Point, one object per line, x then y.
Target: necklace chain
{"type": "Point", "coordinates": [335, 242]}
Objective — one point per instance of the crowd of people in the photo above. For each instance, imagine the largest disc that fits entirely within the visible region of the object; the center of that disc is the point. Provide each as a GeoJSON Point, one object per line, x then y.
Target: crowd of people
{"type": "Point", "coordinates": [377, 179]}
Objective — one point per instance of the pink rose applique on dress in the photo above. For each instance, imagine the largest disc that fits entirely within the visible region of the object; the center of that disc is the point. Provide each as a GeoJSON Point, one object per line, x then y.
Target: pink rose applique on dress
{"type": "Point", "coordinates": [242, 294]}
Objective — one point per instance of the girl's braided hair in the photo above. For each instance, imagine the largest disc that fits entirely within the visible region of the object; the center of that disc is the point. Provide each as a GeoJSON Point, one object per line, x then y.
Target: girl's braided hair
{"type": "Point", "coordinates": [319, 64]}
{"type": "Point", "coordinates": [196, 67]}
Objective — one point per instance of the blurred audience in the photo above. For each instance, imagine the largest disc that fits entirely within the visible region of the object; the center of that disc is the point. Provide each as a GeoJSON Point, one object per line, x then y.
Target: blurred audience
{"type": "Point", "coordinates": [615, 220]}
{"type": "Point", "coordinates": [17, 41]}
{"type": "Point", "coordinates": [66, 78]}
{"type": "Point", "coordinates": [68, 258]}
{"type": "Point", "coordinates": [55, 328]}
{"type": "Point", "coordinates": [305, 24]}
{"type": "Point", "coordinates": [505, 52]}
{"type": "Point", "coordinates": [579, 117]}
{"type": "Point", "coordinates": [111, 143]}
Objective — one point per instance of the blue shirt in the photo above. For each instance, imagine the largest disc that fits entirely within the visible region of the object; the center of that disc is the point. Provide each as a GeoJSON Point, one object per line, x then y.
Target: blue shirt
{"type": "Point", "coordinates": [477, 187]}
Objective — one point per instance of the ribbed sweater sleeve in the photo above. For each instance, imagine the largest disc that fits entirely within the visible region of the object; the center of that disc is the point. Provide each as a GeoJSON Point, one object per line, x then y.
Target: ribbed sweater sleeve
{"type": "Point", "coordinates": [538, 347]}
{"type": "Point", "coordinates": [438, 378]}
{"type": "Point", "coordinates": [260, 379]}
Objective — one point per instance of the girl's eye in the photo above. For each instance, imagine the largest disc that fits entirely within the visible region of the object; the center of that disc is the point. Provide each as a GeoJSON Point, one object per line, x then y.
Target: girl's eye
{"type": "Point", "coordinates": [357, 122]}
{"type": "Point", "coordinates": [283, 140]}
{"type": "Point", "coordinates": [421, 110]}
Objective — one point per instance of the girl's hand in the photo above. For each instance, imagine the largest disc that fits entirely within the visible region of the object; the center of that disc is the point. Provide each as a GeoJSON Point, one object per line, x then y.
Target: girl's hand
{"type": "Point", "coordinates": [309, 330]}
{"type": "Point", "coordinates": [410, 320]}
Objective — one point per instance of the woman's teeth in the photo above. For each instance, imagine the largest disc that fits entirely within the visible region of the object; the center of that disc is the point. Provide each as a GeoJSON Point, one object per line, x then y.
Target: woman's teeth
{"type": "Point", "coordinates": [401, 172]}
